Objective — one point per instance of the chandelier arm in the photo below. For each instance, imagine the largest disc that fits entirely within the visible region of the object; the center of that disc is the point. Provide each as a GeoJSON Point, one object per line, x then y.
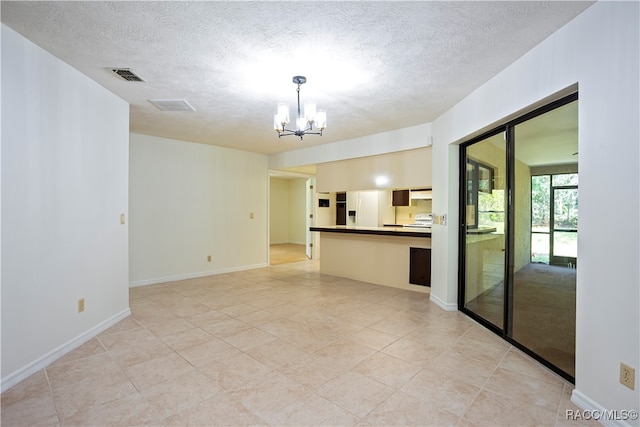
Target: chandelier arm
{"type": "Point", "coordinates": [288, 130]}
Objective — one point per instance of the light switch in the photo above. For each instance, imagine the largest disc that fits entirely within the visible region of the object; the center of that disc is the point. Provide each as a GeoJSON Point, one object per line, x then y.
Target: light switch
{"type": "Point", "coordinates": [121, 218]}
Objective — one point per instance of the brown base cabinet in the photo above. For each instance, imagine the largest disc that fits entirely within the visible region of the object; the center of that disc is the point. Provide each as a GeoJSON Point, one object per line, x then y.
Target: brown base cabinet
{"type": "Point", "coordinates": [420, 266]}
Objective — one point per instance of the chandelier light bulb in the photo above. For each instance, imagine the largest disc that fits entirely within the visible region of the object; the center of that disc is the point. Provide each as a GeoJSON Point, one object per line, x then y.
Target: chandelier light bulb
{"type": "Point", "coordinates": [301, 124]}
{"type": "Point", "coordinates": [321, 120]}
{"type": "Point", "coordinates": [283, 114]}
{"type": "Point", "coordinates": [310, 111]}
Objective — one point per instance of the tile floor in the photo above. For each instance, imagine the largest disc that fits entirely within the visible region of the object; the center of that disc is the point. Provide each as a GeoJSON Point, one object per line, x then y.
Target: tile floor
{"type": "Point", "coordinates": [285, 253]}
{"type": "Point", "coordinates": [287, 346]}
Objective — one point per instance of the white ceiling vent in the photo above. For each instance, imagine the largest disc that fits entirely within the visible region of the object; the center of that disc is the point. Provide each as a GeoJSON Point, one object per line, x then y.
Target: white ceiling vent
{"type": "Point", "coordinates": [127, 74]}
{"type": "Point", "coordinates": [172, 104]}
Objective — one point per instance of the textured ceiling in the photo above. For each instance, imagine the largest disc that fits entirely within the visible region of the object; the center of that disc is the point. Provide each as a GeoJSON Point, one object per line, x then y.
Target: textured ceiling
{"type": "Point", "coordinates": [373, 66]}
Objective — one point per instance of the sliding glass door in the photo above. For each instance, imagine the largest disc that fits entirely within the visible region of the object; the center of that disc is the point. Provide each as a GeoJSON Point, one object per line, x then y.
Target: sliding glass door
{"type": "Point", "coordinates": [519, 232]}
{"type": "Point", "coordinates": [484, 227]}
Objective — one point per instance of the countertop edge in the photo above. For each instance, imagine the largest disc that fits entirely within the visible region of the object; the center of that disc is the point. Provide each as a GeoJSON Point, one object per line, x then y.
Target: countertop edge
{"type": "Point", "coordinates": [382, 231]}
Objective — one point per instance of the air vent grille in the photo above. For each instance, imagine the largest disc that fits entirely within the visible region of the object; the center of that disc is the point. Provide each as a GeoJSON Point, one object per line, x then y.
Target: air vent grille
{"type": "Point", "coordinates": [172, 104]}
{"type": "Point", "coordinates": [127, 74]}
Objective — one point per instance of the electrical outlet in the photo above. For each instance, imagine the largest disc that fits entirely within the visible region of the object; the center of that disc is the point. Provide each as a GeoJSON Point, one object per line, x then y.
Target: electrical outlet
{"type": "Point", "coordinates": [209, 258]}
{"type": "Point", "coordinates": [627, 376]}
{"type": "Point", "coordinates": [251, 215]}
{"type": "Point", "coordinates": [80, 305]}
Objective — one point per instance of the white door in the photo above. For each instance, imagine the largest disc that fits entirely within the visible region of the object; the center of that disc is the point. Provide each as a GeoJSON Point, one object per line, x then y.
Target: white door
{"type": "Point", "coordinates": [311, 196]}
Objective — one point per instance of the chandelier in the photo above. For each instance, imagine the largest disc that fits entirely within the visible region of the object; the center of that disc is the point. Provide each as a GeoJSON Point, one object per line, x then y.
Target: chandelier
{"type": "Point", "coordinates": [304, 123]}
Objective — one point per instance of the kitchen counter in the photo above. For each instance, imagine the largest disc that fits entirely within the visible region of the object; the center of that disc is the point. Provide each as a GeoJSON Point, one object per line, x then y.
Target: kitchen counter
{"type": "Point", "coordinates": [482, 230]}
{"type": "Point", "coordinates": [380, 231]}
{"type": "Point", "coordinates": [378, 255]}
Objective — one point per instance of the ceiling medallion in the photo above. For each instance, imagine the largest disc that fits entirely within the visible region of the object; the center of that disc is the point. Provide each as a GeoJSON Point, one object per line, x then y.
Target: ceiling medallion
{"type": "Point", "coordinates": [304, 123]}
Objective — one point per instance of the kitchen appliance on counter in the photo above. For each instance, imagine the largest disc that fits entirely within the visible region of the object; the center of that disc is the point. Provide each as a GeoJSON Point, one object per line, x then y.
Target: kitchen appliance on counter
{"type": "Point", "coordinates": [424, 220]}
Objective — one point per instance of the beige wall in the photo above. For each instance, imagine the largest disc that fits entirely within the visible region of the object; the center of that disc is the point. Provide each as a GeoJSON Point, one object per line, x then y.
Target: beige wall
{"type": "Point", "coordinates": [297, 211]}
{"type": "Point", "coordinates": [407, 214]}
{"type": "Point", "coordinates": [278, 211]}
{"type": "Point", "coordinates": [287, 210]}
{"type": "Point", "coordinates": [522, 238]}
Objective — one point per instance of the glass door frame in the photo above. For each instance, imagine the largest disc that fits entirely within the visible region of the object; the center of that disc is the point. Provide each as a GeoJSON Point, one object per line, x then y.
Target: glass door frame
{"type": "Point", "coordinates": [509, 129]}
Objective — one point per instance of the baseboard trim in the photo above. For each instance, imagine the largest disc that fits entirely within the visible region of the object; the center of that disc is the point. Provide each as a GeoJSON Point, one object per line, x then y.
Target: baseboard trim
{"type": "Point", "coordinates": [178, 277]}
{"type": "Point", "coordinates": [44, 361]}
{"type": "Point", "coordinates": [442, 304]}
{"type": "Point", "coordinates": [593, 410]}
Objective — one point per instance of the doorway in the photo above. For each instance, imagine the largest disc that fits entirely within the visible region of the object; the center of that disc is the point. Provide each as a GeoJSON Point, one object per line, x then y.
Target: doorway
{"type": "Point", "coordinates": [519, 230]}
{"type": "Point", "coordinates": [291, 208]}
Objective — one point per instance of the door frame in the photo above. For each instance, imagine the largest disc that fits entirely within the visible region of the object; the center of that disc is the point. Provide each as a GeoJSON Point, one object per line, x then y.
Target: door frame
{"type": "Point", "coordinates": [310, 215]}
{"type": "Point", "coordinates": [309, 210]}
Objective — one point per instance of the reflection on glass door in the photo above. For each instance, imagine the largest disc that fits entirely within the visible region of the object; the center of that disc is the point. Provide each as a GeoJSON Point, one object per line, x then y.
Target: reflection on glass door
{"type": "Point", "coordinates": [519, 231]}
{"type": "Point", "coordinates": [540, 218]}
{"type": "Point", "coordinates": [554, 219]}
{"type": "Point", "coordinates": [545, 226]}
{"type": "Point", "coordinates": [483, 229]}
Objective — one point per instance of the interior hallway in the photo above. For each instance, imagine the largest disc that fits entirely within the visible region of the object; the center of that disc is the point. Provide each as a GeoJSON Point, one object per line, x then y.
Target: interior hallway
{"type": "Point", "coordinates": [286, 345]}
{"type": "Point", "coordinates": [284, 253]}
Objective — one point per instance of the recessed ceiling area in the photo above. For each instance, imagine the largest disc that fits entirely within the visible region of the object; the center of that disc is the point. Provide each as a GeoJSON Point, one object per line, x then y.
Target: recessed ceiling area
{"type": "Point", "coordinates": [373, 66]}
{"type": "Point", "coordinates": [549, 139]}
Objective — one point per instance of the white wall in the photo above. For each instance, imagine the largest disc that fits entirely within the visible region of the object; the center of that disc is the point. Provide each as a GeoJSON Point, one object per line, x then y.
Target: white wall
{"type": "Point", "coordinates": [64, 186]}
{"type": "Point", "coordinates": [371, 145]}
{"type": "Point", "coordinates": [189, 201]}
{"type": "Point", "coordinates": [599, 50]}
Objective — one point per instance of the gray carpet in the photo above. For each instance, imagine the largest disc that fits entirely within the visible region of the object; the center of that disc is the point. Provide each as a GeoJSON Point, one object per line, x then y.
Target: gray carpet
{"type": "Point", "coordinates": [544, 312]}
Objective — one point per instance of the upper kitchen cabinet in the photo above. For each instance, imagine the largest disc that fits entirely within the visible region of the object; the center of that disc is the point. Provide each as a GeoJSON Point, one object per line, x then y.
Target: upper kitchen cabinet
{"type": "Point", "coordinates": [403, 169]}
{"type": "Point", "coordinates": [338, 176]}
{"type": "Point", "coordinates": [400, 198]}
{"type": "Point", "coordinates": [425, 194]}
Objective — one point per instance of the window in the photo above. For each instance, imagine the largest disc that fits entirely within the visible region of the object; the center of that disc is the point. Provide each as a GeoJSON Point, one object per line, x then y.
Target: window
{"type": "Point", "coordinates": [480, 196]}
{"type": "Point", "coordinates": [554, 219]}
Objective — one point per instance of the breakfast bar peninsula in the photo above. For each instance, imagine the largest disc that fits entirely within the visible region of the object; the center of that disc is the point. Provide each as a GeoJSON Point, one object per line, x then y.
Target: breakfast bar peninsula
{"type": "Point", "coordinates": [392, 256]}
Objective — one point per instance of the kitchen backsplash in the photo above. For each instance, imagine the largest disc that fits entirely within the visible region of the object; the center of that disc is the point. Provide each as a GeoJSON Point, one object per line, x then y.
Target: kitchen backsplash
{"type": "Point", "coordinates": [406, 214]}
